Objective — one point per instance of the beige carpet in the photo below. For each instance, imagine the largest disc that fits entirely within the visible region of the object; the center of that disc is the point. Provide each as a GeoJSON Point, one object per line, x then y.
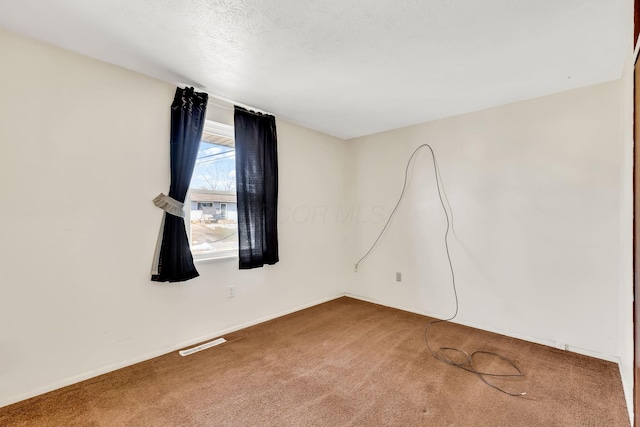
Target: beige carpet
{"type": "Point", "coordinates": [343, 363]}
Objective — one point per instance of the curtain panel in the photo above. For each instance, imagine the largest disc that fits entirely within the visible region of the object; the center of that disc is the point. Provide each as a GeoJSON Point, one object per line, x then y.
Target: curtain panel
{"type": "Point", "coordinates": [256, 187]}
{"type": "Point", "coordinates": [173, 261]}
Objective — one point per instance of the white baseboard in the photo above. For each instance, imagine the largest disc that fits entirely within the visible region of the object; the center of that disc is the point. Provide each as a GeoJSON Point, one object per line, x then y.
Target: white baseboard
{"type": "Point", "coordinates": [151, 355]}
{"type": "Point", "coordinates": [119, 365]}
{"type": "Point", "coordinates": [628, 391]}
{"type": "Point", "coordinates": [511, 334]}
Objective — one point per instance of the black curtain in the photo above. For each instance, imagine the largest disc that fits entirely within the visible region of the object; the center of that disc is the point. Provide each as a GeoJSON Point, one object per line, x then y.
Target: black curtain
{"type": "Point", "coordinates": [256, 187]}
{"type": "Point", "coordinates": [173, 261]}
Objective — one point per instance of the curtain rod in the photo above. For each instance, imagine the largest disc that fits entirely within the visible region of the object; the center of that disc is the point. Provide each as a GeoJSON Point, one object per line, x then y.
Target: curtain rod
{"type": "Point", "coordinates": [223, 99]}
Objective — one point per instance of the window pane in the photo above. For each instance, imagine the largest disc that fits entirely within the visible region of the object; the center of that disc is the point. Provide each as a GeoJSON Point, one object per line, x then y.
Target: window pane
{"type": "Point", "coordinates": [212, 193]}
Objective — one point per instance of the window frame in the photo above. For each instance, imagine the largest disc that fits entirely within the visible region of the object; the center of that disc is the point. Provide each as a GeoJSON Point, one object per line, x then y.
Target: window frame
{"type": "Point", "coordinates": [227, 131]}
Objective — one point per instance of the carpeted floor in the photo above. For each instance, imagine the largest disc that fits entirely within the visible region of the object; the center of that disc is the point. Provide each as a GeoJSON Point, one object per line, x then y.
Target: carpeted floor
{"type": "Point", "coordinates": [342, 363]}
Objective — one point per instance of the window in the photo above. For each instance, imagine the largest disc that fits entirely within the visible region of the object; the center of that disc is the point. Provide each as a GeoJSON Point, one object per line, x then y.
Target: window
{"type": "Point", "coordinates": [213, 216]}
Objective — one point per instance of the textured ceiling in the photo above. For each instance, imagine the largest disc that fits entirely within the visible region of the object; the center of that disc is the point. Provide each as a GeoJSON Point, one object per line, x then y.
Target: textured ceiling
{"type": "Point", "coordinates": [347, 67]}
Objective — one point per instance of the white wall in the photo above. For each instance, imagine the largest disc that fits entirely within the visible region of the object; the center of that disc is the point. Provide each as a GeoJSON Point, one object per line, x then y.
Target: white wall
{"type": "Point", "coordinates": [535, 189]}
{"type": "Point", "coordinates": [626, 231]}
{"type": "Point", "coordinates": [85, 145]}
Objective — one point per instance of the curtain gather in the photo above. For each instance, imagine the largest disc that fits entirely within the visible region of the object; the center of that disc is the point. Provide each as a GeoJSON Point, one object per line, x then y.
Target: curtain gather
{"type": "Point", "coordinates": [173, 261]}
{"type": "Point", "coordinates": [256, 187]}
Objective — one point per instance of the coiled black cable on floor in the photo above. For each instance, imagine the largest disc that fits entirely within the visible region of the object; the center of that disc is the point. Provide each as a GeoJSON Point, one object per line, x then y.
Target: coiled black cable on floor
{"type": "Point", "coordinates": [467, 362]}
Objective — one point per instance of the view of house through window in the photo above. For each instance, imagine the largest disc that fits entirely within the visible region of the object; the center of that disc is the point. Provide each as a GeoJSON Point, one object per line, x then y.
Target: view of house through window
{"type": "Point", "coordinates": [212, 195]}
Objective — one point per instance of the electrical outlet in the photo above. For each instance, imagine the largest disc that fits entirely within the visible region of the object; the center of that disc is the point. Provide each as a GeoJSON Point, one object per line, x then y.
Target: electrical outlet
{"type": "Point", "coordinates": [232, 292]}
{"type": "Point", "coordinates": [398, 277]}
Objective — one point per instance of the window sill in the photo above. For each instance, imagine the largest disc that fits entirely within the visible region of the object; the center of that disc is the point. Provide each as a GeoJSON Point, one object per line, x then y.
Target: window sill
{"type": "Point", "coordinates": [217, 257]}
